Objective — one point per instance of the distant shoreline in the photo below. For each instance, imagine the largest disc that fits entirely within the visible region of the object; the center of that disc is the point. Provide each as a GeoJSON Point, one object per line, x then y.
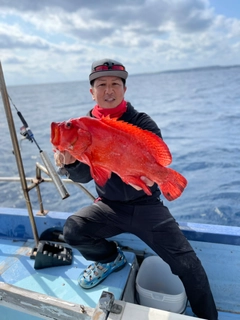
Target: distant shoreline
{"type": "Point", "coordinates": [188, 70]}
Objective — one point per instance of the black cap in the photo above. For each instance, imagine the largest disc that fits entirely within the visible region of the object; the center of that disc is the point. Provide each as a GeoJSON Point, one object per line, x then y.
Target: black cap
{"type": "Point", "coordinates": [108, 72]}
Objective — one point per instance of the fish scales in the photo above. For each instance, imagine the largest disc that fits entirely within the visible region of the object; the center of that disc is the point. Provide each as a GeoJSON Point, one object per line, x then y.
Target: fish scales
{"type": "Point", "coordinates": [151, 141]}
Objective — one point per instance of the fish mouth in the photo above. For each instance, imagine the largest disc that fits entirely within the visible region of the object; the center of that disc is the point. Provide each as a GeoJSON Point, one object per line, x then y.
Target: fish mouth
{"type": "Point", "coordinates": [55, 134]}
{"type": "Point", "coordinates": [57, 138]}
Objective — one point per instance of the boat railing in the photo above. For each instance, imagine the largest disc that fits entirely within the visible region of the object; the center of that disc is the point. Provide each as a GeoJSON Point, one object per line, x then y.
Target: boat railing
{"type": "Point", "coordinates": [34, 182]}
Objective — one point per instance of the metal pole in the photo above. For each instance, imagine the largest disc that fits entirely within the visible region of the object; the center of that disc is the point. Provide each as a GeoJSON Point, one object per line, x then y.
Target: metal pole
{"type": "Point", "coordinates": [17, 153]}
{"type": "Point", "coordinates": [53, 174]}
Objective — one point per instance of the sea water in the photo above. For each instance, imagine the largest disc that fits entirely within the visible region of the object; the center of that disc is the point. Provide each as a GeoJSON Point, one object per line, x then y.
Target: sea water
{"type": "Point", "coordinates": [198, 112]}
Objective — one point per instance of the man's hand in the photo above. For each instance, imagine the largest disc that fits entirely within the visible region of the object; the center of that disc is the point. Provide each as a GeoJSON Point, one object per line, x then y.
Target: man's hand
{"type": "Point", "coordinates": [148, 182]}
{"type": "Point", "coordinates": [63, 157]}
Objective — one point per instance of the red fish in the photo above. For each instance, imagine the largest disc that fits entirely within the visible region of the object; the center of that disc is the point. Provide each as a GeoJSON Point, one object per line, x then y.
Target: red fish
{"type": "Point", "coordinates": [109, 145]}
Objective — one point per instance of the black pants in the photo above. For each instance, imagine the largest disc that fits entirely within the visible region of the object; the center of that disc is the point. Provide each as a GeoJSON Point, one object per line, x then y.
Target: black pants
{"type": "Point", "coordinates": [87, 229]}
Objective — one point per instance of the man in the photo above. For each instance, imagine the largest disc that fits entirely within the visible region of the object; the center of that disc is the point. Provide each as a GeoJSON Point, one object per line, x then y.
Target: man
{"type": "Point", "coordinates": [126, 208]}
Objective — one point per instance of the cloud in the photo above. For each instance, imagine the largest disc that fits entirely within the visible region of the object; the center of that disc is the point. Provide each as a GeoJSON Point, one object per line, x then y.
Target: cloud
{"type": "Point", "coordinates": [98, 20]}
{"type": "Point", "coordinates": [193, 18]}
{"type": "Point", "coordinates": [150, 33]}
{"type": "Point", "coordinates": [12, 37]}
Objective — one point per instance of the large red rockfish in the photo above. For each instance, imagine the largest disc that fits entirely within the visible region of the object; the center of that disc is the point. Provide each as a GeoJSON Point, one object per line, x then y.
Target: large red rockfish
{"type": "Point", "coordinates": [108, 145]}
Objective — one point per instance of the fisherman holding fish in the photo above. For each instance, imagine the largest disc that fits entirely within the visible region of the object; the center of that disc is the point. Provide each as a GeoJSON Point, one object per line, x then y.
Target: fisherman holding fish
{"type": "Point", "coordinates": [129, 195]}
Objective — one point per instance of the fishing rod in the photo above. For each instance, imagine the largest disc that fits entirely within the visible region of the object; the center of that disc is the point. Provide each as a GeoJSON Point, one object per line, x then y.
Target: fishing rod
{"type": "Point", "coordinates": [42, 260]}
{"type": "Point", "coordinates": [17, 154]}
{"type": "Point", "coordinates": [28, 134]}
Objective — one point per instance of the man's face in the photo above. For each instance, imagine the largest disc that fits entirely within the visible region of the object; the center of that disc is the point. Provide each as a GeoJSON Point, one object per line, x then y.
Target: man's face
{"type": "Point", "coordinates": [108, 92]}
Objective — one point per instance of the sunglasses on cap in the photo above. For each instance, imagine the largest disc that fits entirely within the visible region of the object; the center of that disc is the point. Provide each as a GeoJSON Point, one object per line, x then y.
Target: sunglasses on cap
{"type": "Point", "coordinates": [105, 67]}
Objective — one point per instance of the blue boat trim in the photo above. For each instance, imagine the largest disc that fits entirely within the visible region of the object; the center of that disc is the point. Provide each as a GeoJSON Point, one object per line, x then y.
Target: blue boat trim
{"type": "Point", "coordinates": [211, 233]}
{"type": "Point", "coordinates": [15, 223]}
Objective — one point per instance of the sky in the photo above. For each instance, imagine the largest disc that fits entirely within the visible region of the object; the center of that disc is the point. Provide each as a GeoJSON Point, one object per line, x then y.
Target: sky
{"type": "Point", "coordinates": [47, 41]}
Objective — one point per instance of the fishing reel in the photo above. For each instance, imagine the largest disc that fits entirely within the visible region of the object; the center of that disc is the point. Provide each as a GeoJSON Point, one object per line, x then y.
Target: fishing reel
{"type": "Point", "coordinates": [26, 133]}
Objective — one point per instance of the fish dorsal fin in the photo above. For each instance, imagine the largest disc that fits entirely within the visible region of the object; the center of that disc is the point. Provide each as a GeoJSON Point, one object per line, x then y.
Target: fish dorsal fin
{"type": "Point", "coordinates": [156, 146]}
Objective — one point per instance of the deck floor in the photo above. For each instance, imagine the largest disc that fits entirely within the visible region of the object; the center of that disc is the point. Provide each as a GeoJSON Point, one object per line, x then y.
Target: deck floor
{"type": "Point", "coordinates": [17, 268]}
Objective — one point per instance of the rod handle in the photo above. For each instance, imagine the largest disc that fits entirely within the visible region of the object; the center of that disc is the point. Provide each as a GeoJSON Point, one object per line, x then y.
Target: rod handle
{"type": "Point", "coordinates": [24, 122]}
{"type": "Point", "coordinates": [53, 174]}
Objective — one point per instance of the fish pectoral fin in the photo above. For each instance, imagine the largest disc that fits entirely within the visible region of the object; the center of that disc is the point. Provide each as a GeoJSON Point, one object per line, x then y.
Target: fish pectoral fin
{"type": "Point", "coordinates": [100, 175]}
{"type": "Point", "coordinates": [133, 180]}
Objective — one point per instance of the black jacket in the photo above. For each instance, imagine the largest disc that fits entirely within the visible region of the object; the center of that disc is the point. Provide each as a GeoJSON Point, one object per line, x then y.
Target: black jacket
{"type": "Point", "coordinates": [115, 189]}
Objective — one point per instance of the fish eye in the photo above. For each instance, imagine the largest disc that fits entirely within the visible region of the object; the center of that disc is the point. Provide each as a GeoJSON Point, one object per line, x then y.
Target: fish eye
{"type": "Point", "coordinates": [68, 125]}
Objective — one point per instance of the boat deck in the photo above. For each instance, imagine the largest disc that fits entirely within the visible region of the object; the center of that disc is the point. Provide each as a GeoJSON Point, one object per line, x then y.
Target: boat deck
{"type": "Point", "coordinates": [217, 247]}
{"type": "Point", "coordinates": [16, 268]}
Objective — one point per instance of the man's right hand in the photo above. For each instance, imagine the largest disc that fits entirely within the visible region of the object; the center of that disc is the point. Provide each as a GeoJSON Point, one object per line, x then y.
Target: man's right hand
{"type": "Point", "coordinates": [148, 182]}
{"type": "Point", "coordinates": [62, 158]}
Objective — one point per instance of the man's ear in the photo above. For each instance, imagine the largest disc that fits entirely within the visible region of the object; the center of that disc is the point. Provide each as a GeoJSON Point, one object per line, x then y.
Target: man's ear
{"type": "Point", "coordinates": [92, 93]}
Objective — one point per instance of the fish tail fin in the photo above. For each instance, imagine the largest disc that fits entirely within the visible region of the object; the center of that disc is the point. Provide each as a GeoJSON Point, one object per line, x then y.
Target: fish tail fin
{"type": "Point", "coordinates": [174, 185]}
